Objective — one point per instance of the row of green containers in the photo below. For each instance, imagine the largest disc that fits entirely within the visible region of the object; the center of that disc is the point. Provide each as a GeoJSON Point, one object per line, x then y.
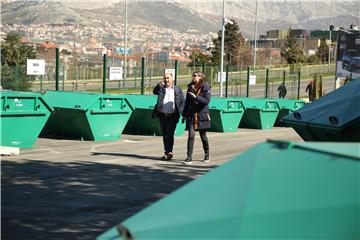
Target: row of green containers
{"type": "Point", "coordinates": [72, 115]}
{"type": "Point", "coordinates": [227, 114]}
{"type": "Point", "coordinates": [88, 116]}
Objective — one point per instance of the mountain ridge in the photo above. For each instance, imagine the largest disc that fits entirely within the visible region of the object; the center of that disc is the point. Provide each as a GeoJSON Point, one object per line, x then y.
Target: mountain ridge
{"type": "Point", "coordinates": [183, 15]}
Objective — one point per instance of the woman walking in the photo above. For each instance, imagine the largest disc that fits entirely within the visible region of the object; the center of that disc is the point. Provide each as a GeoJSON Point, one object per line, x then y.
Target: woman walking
{"type": "Point", "coordinates": [197, 115]}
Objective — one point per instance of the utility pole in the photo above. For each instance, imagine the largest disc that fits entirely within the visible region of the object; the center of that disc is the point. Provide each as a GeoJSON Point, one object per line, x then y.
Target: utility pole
{"type": "Point", "coordinates": [152, 67]}
{"type": "Point", "coordinates": [125, 43]}
{"type": "Point", "coordinates": [222, 48]}
{"type": "Point", "coordinates": [331, 12]}
{"type": "Point", "coordinates": [255, 34]}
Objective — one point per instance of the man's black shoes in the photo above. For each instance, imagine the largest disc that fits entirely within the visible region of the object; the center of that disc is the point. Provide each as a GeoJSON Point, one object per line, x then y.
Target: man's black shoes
{"type": "Point", "coordinates": [167, 156]}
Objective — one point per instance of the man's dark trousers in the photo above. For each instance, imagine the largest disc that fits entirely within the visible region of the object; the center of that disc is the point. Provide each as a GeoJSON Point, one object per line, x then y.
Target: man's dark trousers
{"type": "Point", "coordinates": [168, 125]}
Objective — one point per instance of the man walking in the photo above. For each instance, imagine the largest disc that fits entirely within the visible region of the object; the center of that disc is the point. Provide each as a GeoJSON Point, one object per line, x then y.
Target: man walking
{"type": "Point", "coordinates": [310, 90]}
{"type": "Point", "coordinates": [282, 90]}
{"type": "Point", "coordinates": [169, 107]}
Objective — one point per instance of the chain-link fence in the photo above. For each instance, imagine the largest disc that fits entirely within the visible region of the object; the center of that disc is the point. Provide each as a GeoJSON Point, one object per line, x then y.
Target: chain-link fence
{"type": "Point", "coordinates": [84, 73]}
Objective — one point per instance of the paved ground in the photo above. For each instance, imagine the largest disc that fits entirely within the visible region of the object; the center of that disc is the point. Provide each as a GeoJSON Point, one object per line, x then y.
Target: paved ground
{"type": "Point", "coordinates": [63, 189]}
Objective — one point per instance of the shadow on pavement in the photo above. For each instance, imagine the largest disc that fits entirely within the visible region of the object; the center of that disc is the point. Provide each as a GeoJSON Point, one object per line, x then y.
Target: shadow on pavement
{"type": "Point", "coordinates": [44, 200]}
{"type": "Point", "coordinates": [127, 155]}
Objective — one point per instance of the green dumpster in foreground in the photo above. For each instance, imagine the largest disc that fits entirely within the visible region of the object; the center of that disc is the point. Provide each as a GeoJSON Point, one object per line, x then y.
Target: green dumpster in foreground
{"type": "Point", "coordinates": [287, 106]}
{"type": "Point", "coordinates": [86, 116]}
{"type": "Point", "coordinates": [275, 190]}
{"type": "Point", "coordinates": [260, 113]}
{"type": "Point", "coordinates": [142, 121]}
{"type": "Point", "coordinates": [225, 114]}
{"type": "Point", "coordinates": [23, 115]}
{"type": "Point", "coordinates": [334, 117]}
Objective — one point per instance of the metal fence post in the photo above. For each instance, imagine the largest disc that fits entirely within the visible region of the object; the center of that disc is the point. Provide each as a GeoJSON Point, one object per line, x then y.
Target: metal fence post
{"type": "Point", "coordinates": [247, 81]}
{"type": "Point", "coordinates": [104, 74]}
{"type": "Point", "coordinates": [142, 74]}
{"type": "Point", "coordinates": [64, 75]}
{"type": "Point", "coordinates": [41, 84]}
{"type": "Point", "coordinates": [298, 92]}
{"type": "Point", "coordinates": [284, 75]}
{"type": "Point", "coordinates": [57, 68]}
{"type": "Point", "coordinates": [226, 80]}
{"type": "Point", "coordinates": [266, 82]}
{"type": "Point", "coordinates": [176, 72]}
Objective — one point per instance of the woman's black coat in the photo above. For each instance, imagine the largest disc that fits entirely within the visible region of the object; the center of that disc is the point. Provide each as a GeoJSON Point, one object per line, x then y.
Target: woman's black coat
{"type": "Point", "coordinates": [199, 105]}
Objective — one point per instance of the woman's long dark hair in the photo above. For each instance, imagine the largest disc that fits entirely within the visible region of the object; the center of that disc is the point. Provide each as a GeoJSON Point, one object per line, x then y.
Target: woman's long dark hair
{"type": "Point", "coordinates": [203, 76]}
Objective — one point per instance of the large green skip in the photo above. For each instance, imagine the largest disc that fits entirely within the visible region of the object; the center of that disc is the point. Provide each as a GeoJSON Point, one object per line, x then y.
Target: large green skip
{"type": "Point", "coordinates": [23, 115]}
{"type": "Point", "coordinates": [275, 190]}
{"type": "Point", "coordinates": [334, 117]}
{"type": "Point", "coordinates": [142, 121]}
{"type": "Point", "coordinates": [86, 116]}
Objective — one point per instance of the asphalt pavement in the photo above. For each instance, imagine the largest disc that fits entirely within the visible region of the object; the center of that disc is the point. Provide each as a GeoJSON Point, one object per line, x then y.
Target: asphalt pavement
{"type": "Point", "coordinates": [65, 189]}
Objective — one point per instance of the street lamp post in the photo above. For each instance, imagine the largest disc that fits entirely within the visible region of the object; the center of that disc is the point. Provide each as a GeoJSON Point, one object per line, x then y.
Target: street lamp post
{"type": "Point", "coordinates": [255, 34]}
{"type": "Point", "coordinates": [125, 43]}
{"type": "Point", "coordinates": [222, 49]}
{"type": "Point", "coordinates": [152, 62]}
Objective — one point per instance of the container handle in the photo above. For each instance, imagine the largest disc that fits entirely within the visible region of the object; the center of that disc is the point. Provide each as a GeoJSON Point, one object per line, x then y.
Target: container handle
{"type": "Point", "coordinates": [333, 120]}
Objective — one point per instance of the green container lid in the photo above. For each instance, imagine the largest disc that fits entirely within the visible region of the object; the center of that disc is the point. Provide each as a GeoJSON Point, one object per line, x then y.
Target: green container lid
{"type": "Point", "coordinates": [260, 113]}
{"type": "Point", "coordinates": [333, 117]}
{"type": "Point", "coordinates": [142, 121]}
{"type": "Point", "coordinates": [142, 101]}
{"type": "Point", "coordinates": [262, 104]}
{"type": "Point", "coordinates": [286, 107]}
{"type": "Point", "coordinates": [290, 104]}
{"type": "Point", "coordinates": [275, 190]}
{"type": "Point", "coordinates": [225, 114]}
{"type": "Point", "coordinates": [23, 115]}
{"type": "Point", "coordinates": [86, 116]}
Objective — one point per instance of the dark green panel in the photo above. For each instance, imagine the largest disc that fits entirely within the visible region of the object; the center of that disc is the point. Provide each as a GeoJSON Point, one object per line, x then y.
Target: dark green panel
{"type": "Point", "coordinates": [260, 113]}
{"type": "Point", "coordinates": [333, 117]}
{"type": "Point", "coordinates": [225, 114]}
{"type": "Point", "coordinates": [142, 121]}
{"type": "Point", "coordinates": [275, 190]}
{"type": "Point", "coordinates": [23, 115]}
{"type": "Point", "coordinates": [87, 116]}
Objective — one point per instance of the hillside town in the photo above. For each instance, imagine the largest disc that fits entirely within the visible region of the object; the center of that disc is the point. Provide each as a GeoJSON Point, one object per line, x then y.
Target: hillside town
{"type": "Point", "coordinates": [94, 40]}
{"type": "Point", "coordinates": [166, 125]}
{"type": "Point", "coordinates": [149, 40]}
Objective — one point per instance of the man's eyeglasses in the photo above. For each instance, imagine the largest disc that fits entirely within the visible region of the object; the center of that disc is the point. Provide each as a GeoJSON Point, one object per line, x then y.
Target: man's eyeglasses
{"type": "Point", "coordinates": [194, 75]}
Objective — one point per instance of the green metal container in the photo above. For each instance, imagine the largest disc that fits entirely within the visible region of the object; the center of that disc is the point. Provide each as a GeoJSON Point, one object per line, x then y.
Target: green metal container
{"type": "Point", "coordinates": [142, 121]}
{"type": "Point", "coordinates": [86, 116]}
{"type": "Point", "coordinates": [275, 190]}
{"type": "Point", "coordinates": [260, 113]}
{"type": "Point", "coordinates": [23, 115]}
{"type": "Point", "coordinates": [334, 117]}
{"type": "Point", "coordinates": [225, 114]}
{"type": "Point", "coordinates": [287, 106]}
